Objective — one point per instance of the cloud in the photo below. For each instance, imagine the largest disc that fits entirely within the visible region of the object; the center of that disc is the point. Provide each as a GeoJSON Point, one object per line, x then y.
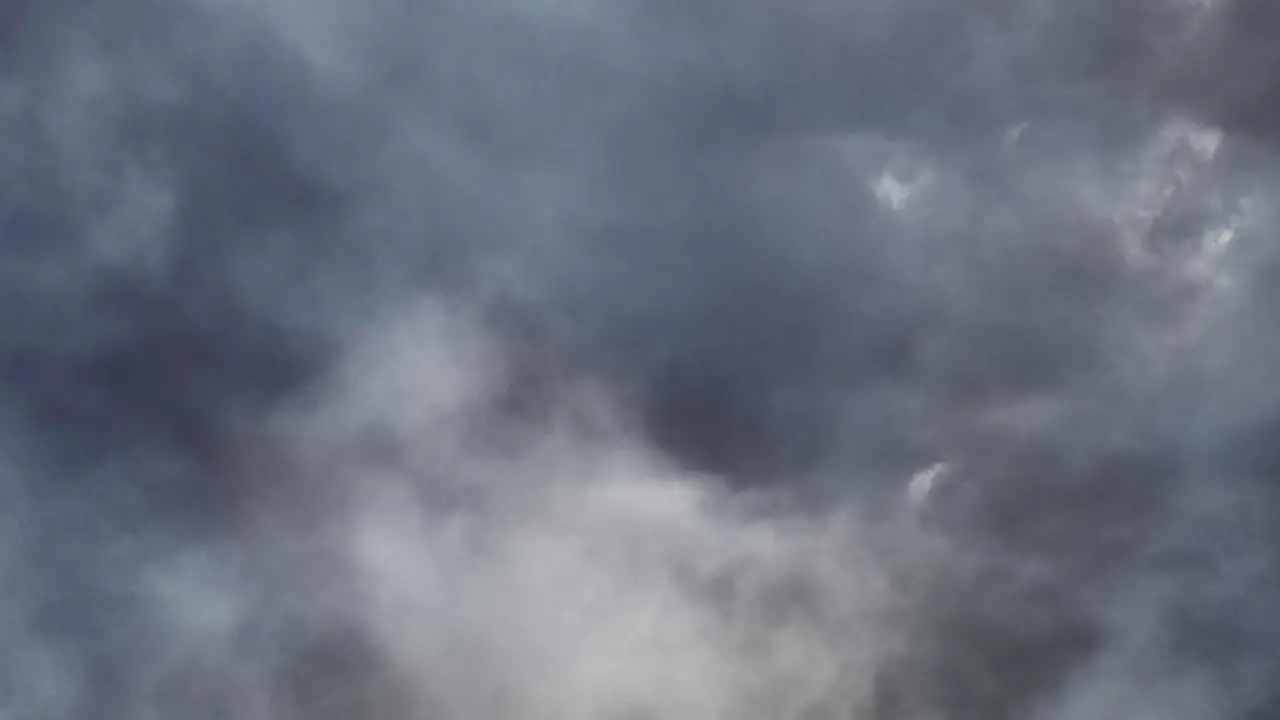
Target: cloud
{"type": "Point", "coordinates": [575, 359]}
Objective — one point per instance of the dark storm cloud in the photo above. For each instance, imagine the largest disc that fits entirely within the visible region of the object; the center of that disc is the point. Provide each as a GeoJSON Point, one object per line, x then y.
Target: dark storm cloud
{"type": "Point", "coordinates": [803, 249]}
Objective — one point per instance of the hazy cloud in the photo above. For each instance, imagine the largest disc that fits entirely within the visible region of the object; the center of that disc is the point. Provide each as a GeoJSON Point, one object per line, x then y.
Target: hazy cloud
{"type": "Point", "coordinates": [565, 358]}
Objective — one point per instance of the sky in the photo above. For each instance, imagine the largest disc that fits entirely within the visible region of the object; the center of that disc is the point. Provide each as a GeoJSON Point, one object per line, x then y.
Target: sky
{"type": "Point", "coordinates": [585, 360]}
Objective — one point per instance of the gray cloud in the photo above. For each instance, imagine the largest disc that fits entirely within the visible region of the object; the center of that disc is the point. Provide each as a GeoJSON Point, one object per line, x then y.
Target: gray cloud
{"type": "Point", "coordinates": [571, 359]}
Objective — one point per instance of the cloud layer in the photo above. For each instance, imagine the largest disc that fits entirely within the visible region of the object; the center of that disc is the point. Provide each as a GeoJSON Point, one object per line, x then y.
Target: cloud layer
{"type": "Point", "coordinates": [571, 359]}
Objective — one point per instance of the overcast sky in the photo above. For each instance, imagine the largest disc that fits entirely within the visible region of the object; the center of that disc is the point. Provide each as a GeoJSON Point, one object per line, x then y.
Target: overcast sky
{"type": "Point", "coordinates": [586, 360]}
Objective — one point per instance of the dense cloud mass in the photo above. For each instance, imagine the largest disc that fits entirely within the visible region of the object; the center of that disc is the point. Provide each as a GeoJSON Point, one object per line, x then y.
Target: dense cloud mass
{"type": "Point", "coordinates": [585, 360]}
